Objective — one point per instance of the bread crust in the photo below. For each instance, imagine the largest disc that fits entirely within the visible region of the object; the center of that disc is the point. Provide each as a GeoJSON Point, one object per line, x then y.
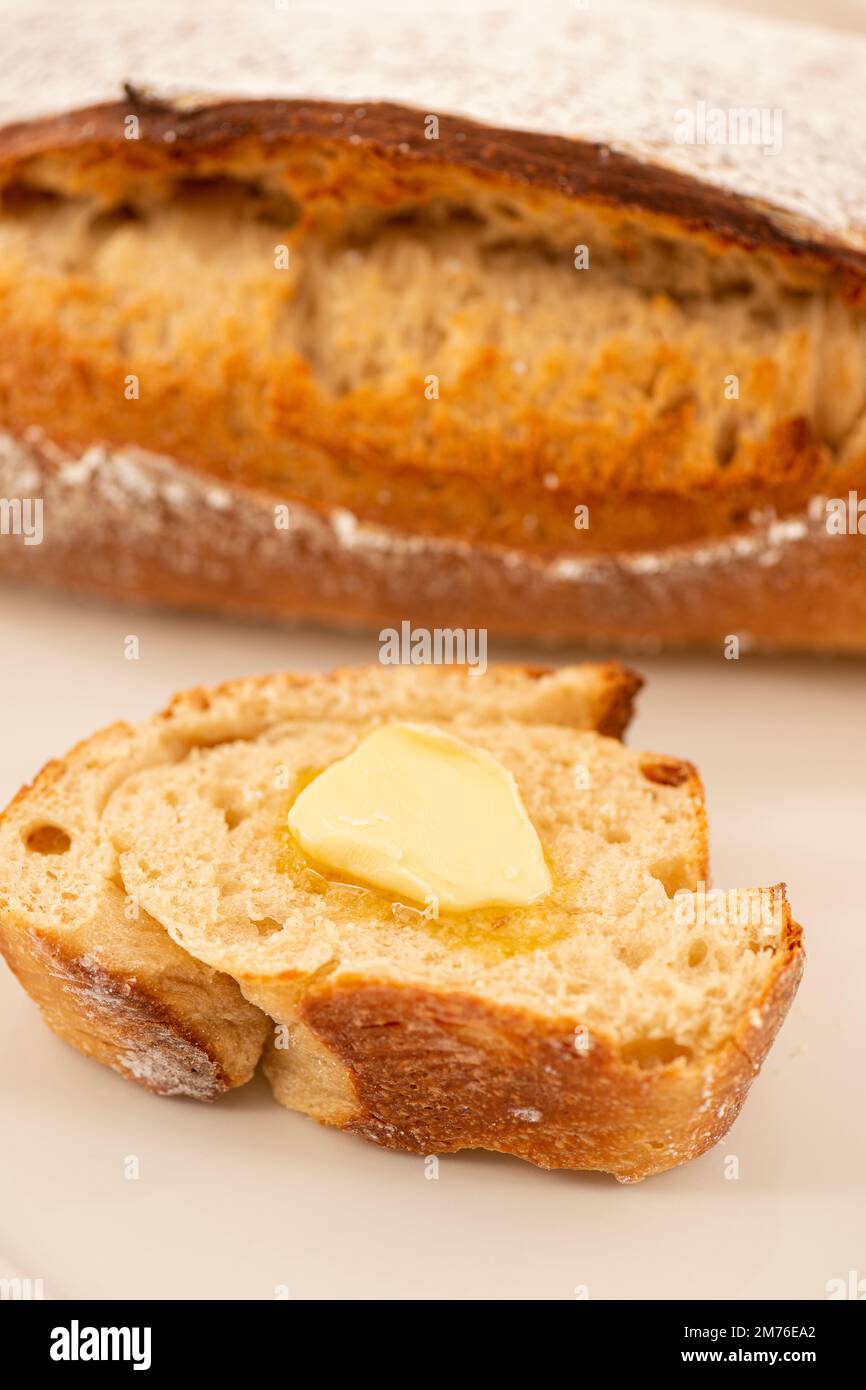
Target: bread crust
{"type": "Point", "coordinates": [643, 65]}
{"type": "Point", "coordinates": [134, 526]}
{"type": "Point", "coordinates": [111, 1017]}
{"type": "Point", "coordinates": [217, 133]}
{"type": "Point", "coordinates": [603, 701]}
{"type": "Point", "coordinates": [524, 1087]}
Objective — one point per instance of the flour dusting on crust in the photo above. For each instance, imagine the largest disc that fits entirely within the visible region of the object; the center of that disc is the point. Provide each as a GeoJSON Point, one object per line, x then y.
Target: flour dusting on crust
{"type": "Point", "coordinates": [103, 486]}
{"type": "Point", "coordinates": [616, 74]}
{"type": "Point", "coordinates": [128, 524]}
{"type": "Point", "coordinates": [146, 1047]}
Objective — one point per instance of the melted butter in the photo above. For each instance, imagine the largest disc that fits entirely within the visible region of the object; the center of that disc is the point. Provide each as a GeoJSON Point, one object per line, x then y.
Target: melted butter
{"type": "Point", "coordinates": [493, 933]}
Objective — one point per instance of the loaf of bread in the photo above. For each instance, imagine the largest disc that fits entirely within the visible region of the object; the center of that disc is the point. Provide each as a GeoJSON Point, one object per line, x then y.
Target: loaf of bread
{"type": "Point", "coordinates": [530, 342]}
{"type": "Point", "coordinates": [155, 903]}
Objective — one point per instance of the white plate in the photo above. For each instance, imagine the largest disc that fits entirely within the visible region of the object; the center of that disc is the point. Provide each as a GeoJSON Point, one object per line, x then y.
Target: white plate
{"type": "Point", "coordinates": [243, 1200]}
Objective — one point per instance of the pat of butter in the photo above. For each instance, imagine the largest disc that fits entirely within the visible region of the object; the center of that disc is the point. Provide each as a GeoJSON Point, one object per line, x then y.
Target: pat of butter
{"type": "Point", "coordinates": [426, 817]}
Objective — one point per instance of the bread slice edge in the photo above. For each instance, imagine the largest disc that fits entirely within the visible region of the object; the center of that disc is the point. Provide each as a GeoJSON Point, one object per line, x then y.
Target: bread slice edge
{"type": "Point", "coordinates": [525, 1088]}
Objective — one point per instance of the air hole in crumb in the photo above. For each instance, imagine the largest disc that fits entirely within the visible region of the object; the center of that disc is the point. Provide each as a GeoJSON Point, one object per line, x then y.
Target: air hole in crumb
{"type": "Point", "coordinates": [668, 772]}
{"type": "Point", "coordinates": [113, 219]}
{"type": "Point", "coordinates": [617, 837]}
{"type": "Point", "coordinates": [233, 816]}
{"type": "Point", "coordinates": [634, 954]}
{"type": "Point", "coordinates": [727, 438]}
{"type": "Point", "coordinates": [19, 198]}
{"type": "Point", "coordinates": [48, 839]}
{"type": "Point", "coordinates": [654, 1052]}
{"type": "Point", "coordinates": [218, 195]}
{"type": "Point", "coordinates": [267, 926]}
{"type": "Point", "coordinates": [765, 315]}
{"type": "Point", "coordinates": [672, 874]}
{"type": "Point", "coordinates": [656, 1144]}
{"type": "Point", "coordinates": [677, 403]}
{"type": "Point", "coordinates": [697, 953]}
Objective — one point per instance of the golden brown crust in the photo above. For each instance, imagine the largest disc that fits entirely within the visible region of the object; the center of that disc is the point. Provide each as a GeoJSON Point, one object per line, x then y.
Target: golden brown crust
{"type": "Point", "coordinates": [609, 709]}
{"type": "Point", "coordinates": [435, 1073]}
{"type": "Point", "coordinates": [689, 776]}
{"type": "Point", "coordinates": [620, 688]}
{"type": "Point", "coordinates": [217, 133]}
{"type": "Point", "coordinates": [164, 537]}
{"type": "Point", "coordinates": [112, 1018]}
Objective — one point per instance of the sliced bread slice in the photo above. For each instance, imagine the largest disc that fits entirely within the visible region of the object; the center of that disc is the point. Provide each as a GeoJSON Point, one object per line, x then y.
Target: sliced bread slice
{"type": "Point", "coordinates": [107, 976]}
{"type": "Point", "coordinates": [617, 1024]}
